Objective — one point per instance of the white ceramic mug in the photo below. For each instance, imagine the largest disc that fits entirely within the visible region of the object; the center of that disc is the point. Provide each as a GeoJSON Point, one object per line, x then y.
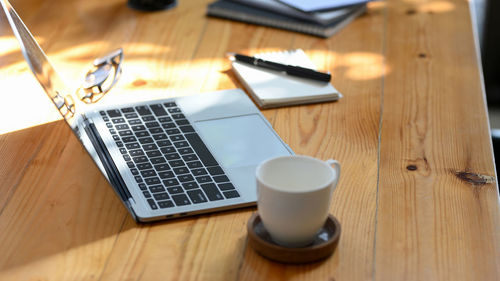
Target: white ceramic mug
{"type": "Point", "coordinates": [294, 194]}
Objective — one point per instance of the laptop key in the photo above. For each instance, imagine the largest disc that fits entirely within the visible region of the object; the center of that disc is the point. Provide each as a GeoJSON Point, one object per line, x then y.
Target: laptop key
{"type": "Point", "coordinates": [166, 204]}
{"type": "Point", "coordinates": [178, 116]}
{"type": "Point", "coordinates": [152, 181]}
{"type": "Point", "coordinates": [162, 167]}
{"type": "Point", "coordinates": [148, 173]}
{"type": "Point", "coordinates": [172, 156]}
{"type": "Point", "coordinates": [136, 152]}
{"type": "Point", "coordinates": [189, 157]}
{"type": "Point", "coordinates": [152, 204]}
{"type": "Point", "coordinates": [212, 192]}
{"type": "Point", "coordinates": [181, 170]}
{"type": "Point", "coordinates": [185, 178]}
{"type": "Point", "coordinates": [163, 143]}
{"type": "Point", "coordinates": [181, 122]}
{"type": "Point", "coordinates": [181, 199]}
{"type": "Point", "coordinates": [231, 194]}
{"type": "Point", "coordinates": [161, 196]}
{"type": "Point", "coordinates": [158, 160]}
{"type": "Point", "coordinates": [185, 150]}
{"type": "Point", "coordinates": [177, 138]}
{"type": "Point", "coordinates": [197, 196]}
{"type": "Point", "coordinates": [140, 159]}
{"type": "Point", "coordinates": [129, 139]}
{"type": "Point", "coordinates": [201, 149]}
{"type": "Point", "coordinates": [144, 166]}
{"type": "Point", "coordinates": [142, 134]}
{"type": "Point", "coordinates": [152, 124]}
{"type": "Point", "coordinates": [168, 125]}
{"type": "Point", "coordinates": [122, 127]}
{"type": "Point", "coordinates": [165, 119]}
{"type": "Point", "coordinates": [199, 172]}
{"type": "Point", "coordinates": [176, 163]}
{"type": "Point", "coordinates": [187, 129]}
{"type": "Point", "coordinates": [175, 190]}
{"type": "Point", "coordinates": [181, 144]}
{"type": "Point", "coordinates": [134, 121]}
{"type": "Point", "coordinates": [114, 113]}
{"type": "Point", "coordinates": [149, 146]}
{"type": "Point", "coordinates": [170, 104]}
{"type": "Point", "coordinates": [195, 164]}
{"type": "Point", "coordinates": [204, 179]}
{"type": "Point", "coordinates": [156, 130]}
{"type": "Point", "coordinates": [160, 137]}
{"type": "Point", "coordinates": [148, 118]}
{"type": "Point", "coordinates": [127, 109]}
{"type": "Point", "coordinates": [170, 182]}
{"type": "Point", "coordinates": [154, 153]}
{"type": "Point", "coordinates": [216, 170]}
{"type": "Point", "coordinates": [158, 110]}
{"type": "Point", "coordinates": [118, 120]}
{"type": "Point", "coordinates": [167, 149]}
{"type": "Point", "coordinates": [146, 194]}
{"type": "Point", "coordinates": [131, 115]}
{"type": "Point", "coordinates": [226, 186]}
{"type": "Point", "coordinates": [190, 185]}
{"type": "Point", "coordinates": [173, 131]}
{"type": "Point", "coordinates": [143, 110]}
{"type": "Point", "coordinates": [222, 178]}
{"type": "Point", "coordinates": [146, 140]}
{"type": "Point", "coordinates": [156, 188]}
{"type": "Point", "coordinates": [137, 128]}
{"type": "Point", "coordinates": [166, 174]}
{"type": "Point", "coordinates": [174, 110]}
{"type": "Point", "coordinates": [133, 145]}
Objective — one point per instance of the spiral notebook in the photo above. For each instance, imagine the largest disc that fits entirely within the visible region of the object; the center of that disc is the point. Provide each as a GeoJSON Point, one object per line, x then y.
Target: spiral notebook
{"type": "Point", "coordinates": [273, 89]}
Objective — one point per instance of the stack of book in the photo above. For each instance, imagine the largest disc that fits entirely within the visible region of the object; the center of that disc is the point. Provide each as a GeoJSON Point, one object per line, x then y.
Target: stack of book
{"type": "Point", "coordinates": [301, 16]}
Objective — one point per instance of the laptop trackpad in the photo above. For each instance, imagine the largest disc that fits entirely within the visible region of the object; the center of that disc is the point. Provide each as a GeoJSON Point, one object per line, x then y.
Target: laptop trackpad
{"type": "Point", "coordinates": [241, 141]}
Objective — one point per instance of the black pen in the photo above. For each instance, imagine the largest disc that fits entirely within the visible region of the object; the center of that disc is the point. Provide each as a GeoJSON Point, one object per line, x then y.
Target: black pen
{"type": "Point", "coordinates": [288, 69]}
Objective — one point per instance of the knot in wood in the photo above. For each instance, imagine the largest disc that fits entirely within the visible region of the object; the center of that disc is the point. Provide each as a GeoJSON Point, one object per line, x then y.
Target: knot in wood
{"type": "Point", "coordinates": [473, 178]}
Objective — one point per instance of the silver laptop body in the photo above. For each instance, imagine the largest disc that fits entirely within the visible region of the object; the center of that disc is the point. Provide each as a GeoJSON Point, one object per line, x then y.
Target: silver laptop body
{"type": "Point", "coordinates": [164, 158]}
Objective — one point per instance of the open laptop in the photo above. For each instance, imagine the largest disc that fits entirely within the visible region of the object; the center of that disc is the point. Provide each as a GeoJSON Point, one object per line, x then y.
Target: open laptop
{"type": "Point", "coordinates": [164, 158]}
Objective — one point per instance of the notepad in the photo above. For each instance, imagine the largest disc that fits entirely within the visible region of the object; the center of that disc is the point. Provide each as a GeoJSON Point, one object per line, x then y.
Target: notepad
{"type": "Point", "coordinates": [270, 88]}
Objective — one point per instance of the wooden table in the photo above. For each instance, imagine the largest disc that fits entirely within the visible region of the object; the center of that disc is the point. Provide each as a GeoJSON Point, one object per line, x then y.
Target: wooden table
{"type": "Point", "coordinates": [417, 199]}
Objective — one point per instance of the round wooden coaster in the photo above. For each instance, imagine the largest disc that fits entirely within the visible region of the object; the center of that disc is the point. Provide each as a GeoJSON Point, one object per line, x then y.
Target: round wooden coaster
{"type": "Point", "coordinates": [322, 247]}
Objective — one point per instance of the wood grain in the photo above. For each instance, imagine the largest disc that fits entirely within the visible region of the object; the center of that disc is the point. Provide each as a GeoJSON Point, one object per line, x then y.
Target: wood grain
{"type": "Point", "coordinates": [417, 198]}
{"type": "Point", "coordinates": [434, 225]}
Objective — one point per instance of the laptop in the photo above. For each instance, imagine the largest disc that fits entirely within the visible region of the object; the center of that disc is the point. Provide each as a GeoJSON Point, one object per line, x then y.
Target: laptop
{"type": "Point", "coordinates": [164, 158]}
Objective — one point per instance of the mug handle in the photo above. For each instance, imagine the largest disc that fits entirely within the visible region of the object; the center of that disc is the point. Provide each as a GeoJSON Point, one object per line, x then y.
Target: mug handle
{"type": "Point", "coordinates": [336, 167]}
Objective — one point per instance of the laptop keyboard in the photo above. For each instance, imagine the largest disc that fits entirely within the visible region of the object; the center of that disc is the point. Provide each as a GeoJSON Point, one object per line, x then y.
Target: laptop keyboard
{"type": "Point", "coordinates": [168, 159]}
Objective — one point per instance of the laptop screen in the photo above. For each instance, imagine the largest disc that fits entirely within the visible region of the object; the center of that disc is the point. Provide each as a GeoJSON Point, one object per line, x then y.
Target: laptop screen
{"type": "Point", "coordinates": [36, 58]}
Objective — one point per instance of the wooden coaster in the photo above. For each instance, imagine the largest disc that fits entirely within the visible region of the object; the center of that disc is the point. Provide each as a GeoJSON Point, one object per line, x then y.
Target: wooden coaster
{"type": "Point", "coordinates": [322, 247]}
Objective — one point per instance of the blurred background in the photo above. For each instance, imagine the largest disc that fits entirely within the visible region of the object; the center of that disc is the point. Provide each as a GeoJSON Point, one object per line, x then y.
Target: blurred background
{"type": "Point", "coordinates": [484, 13]}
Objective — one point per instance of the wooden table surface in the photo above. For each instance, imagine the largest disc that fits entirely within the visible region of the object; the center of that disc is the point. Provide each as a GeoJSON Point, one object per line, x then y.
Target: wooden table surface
{"type": "Point", "coordinates": [417, 199]}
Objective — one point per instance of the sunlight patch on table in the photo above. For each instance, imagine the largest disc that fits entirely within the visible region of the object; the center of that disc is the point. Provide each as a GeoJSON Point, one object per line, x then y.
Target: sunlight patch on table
{"type": "Point", "coordinates": [27, 108]}
{"type": "Point", "coordinates": [87, 257]}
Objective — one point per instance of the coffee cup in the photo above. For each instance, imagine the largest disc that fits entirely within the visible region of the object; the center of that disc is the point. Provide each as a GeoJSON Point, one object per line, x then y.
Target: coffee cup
{"type": "Point", "coordinates": [294, 194]}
